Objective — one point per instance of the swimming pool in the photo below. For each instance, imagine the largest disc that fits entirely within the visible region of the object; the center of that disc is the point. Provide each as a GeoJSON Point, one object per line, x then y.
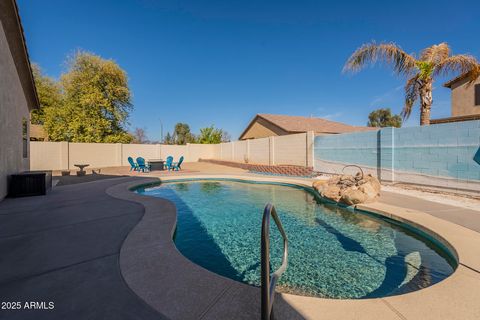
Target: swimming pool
{"type": "Point", "coordinates": [333, 252]}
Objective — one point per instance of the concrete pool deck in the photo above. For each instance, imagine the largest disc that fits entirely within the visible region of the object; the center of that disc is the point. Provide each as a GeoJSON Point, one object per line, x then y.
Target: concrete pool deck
{"type": "Point", "coordinates": [59, 247]}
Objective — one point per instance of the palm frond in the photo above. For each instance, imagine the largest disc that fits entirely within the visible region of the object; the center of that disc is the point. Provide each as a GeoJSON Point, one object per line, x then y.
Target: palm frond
{"type": "Point", "coordinates": [412, 92]}
{"type": "Point", "coordinates": [463, 64]}
{"type": "Point", "coordinates": [403, 63]}
{"type": "Point", "coordinates": [436, 53]}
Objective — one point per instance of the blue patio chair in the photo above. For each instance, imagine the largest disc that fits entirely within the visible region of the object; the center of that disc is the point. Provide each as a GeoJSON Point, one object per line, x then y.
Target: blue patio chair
{"type": "Point", "coordinates": [133, 165]}
{"type": "Point", "coordinates": [142, 165]}
{"type": "Point", "coordinates": [177, 165]}
{"type": "Point", "coordinates": [168, 163]}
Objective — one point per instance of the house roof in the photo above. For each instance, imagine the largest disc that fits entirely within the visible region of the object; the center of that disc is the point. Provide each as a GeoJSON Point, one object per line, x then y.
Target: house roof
{"type": "Point", "coordinates": [297, 124]}
{"type": "Point", "coordinates": [461, 77]}
{"type": "Point", "coordinates": [468, 117]}
{"type": "Point", "coordinates": [13, 30]}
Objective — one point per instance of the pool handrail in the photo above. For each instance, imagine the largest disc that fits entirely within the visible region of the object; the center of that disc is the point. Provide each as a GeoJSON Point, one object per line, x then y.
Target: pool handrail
{"type": "Point", "coordinates": [269, 282]}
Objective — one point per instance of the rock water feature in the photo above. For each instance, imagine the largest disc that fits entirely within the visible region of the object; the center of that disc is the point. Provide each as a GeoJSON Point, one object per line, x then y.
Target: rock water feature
{"type": "Point", "coordinates": [350, 189]}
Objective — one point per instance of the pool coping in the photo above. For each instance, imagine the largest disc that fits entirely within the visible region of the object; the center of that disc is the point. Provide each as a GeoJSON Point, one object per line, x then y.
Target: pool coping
{"type": "Point", "coordinates": [160, 275]}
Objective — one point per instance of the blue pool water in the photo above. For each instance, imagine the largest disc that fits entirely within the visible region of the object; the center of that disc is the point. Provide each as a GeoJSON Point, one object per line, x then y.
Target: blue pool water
{"type": "Point", "coordinates": [333, 252]}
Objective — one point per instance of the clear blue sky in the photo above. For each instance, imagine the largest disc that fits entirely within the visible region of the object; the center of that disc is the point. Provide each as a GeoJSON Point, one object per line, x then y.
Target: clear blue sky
{"type": "Point", "coordinates": [221, 62]}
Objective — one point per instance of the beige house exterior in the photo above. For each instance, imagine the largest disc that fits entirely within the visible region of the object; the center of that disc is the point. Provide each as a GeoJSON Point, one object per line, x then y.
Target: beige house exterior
{"type": "Point", "coordinates": [17, 95]}
{"type": "Point", "coordinates": [268, 125]}
{"type": "Point", "coordinates": [465, 100]}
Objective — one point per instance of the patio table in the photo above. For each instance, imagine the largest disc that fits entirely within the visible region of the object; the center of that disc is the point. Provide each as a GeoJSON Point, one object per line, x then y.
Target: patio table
{"type": "Point", "coordinates": [81, 172]}
{"type": "Point", "coordinates": [156, 164]}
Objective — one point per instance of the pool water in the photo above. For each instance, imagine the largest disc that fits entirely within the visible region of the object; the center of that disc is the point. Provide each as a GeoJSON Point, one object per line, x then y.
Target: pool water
{"type": "Point", "coordinates": [334, 252]}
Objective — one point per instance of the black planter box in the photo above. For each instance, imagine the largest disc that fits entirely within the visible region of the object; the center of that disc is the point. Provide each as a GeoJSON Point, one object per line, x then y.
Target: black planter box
{"type": "Point", "coordinates": [30, 183]}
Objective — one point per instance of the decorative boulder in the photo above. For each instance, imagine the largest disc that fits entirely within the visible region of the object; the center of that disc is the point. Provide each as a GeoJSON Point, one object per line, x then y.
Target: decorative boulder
{"type": "Point", "coordinates": [319, 185]}
{"type": "Point", "coordinates": [353, 196]}
{"type": "Point", "coordinates": [332, 192]}
{"type": "Point", "coordinates": [350, 189]}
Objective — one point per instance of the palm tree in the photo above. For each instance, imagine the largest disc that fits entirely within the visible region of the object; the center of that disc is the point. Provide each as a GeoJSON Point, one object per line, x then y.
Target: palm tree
{"type": "Point", "coordinates": [420, 72]}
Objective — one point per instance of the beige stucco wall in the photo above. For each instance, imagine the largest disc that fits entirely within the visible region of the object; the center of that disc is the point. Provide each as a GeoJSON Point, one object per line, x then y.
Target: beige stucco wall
{"type": "Point", "coordinates": [64, 155]}
{"type": "Point", "coordinates": [240, 151]}
{"type": "Point", "coordinates": [175, 151]}
{"type": "Point", "coordinates": [226, 152]}
{"type": "Point", "coordinates": [259, 151]}
{"type": "Point", "coordinates": [293, 149]}
{"type": "Point", "coordinates": [290, 149]}
{"type": "Point", "coordinates": [204, 151]}
{"type": "Point", "coordinates": [13, 108]}
{"type": "Point", "coordinates": [49, 155]}
{"type": "Point", "coordinates": [262, 129]}
{"type": "Point", "coordinates": [97, 155]}
{"type": "Point", "coordinates": [146, 151]}
{"type": "Point", "coordinates": [463, 99]}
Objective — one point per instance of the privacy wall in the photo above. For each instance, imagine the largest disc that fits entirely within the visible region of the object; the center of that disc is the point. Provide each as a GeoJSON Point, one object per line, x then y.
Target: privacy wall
{"type": "Point", "coordinates": [64, 155]}
{"type": "Point", "coordinates": [295, 149]}
{"type": "Point", "coordinates": [439, 155]}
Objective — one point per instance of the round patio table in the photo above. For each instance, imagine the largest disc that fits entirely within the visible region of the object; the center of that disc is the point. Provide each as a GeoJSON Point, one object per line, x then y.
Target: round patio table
{"type": "Point", "coordinates": [81, 172]}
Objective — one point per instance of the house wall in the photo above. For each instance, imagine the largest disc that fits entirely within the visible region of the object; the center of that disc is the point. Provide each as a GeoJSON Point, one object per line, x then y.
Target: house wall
{"type": "Point", "coordinates": [262, 129]}
{"type": "Point", "coordinates": [442, 155]}
{"type": "Point", "coordinates": [463, 99]}
{"type": "Point", "coordinates": [13, 109]}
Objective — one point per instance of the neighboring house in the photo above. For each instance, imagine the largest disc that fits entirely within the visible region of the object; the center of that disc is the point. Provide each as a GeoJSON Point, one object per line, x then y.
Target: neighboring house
{"type": "Point", "coordinates": [465, 100]}
{"type": "Point", "coordinates": [37, 133]}
{"type": "Point", "coordinates": [266, 125]}
{"type": "Point", "coordinates": [17, 95]}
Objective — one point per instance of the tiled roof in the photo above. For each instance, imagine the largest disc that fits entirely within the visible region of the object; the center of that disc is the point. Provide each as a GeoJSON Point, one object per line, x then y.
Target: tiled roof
{"type": "Point", "coordinates": [304, 124]}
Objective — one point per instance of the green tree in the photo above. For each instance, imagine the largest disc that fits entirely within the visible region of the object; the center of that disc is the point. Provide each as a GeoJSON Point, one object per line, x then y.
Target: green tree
{"type": "Point", "coordinates": [182, 134]}
{"type": "Point", "coordinates": [210, 135]}
{"type": "Point", "coordinates": [420, 72]}
{"type": "Point", "coordinates": [97, 102]}
{"type": "Point", "coordinates": [384, 118]}
{"type": "Point", "coordinates": [168, 139]}
{"type": "Point", "coordinates": [49, 94]}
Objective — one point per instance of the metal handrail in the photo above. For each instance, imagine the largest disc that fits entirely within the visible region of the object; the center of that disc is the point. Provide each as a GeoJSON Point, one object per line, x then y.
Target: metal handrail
{"type": "Point", "coordinates": [269, 282]}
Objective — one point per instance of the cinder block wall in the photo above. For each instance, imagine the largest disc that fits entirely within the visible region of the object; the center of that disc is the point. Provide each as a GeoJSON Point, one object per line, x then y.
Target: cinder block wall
{"type": "Point", "coordinates": [259, 151]}
{"type": "Point", "coordinates": [437, 155]}
{"type": "Point", "coordinates": [64, 155]}
{"type": "Point", "coordinates": [293, 149]}
{"type": "Point", "coordinates": [296, 149]}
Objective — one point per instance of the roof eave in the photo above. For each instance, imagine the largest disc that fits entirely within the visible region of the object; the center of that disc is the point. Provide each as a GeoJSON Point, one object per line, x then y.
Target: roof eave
{"type": "Point", "coordinates": [13, 29]}
{"type": "Point", "coordinates": [450, 83]}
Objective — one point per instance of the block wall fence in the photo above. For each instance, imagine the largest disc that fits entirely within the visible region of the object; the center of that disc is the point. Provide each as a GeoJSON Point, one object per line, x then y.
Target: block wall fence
{"type": "Point", "coordinates": [64, 155]}
{"type": "Point", "coordinates": [295, 149]}
{"type": "Point", "coordinates": [444, 155]}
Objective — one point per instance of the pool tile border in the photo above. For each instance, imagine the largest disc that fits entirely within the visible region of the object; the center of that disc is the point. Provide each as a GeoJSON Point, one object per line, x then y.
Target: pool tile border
{"type": "Point", "coordinates": [160, 275]}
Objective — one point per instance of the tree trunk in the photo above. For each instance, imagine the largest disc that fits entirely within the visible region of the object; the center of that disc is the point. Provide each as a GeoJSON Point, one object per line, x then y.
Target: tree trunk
{"type": "Point", "coordinates": [425, 102]}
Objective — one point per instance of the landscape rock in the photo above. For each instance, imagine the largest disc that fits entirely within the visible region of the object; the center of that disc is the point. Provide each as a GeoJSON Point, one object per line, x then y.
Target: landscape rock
{"type": "Point", "coordinates": [320, 185]}
{"type": "Point", "coordinates": [350, 189]}
{"type": "Point", "coordinates": [353, 196]}
{"type": "Point", "coordinates": [331, 192]}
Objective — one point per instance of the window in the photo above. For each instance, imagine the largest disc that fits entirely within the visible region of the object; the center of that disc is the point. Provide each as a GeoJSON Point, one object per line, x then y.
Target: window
{"type": "Point", "coordinates": [477, 94]}
{"type": "Point", "coordinates": [25, 137]}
